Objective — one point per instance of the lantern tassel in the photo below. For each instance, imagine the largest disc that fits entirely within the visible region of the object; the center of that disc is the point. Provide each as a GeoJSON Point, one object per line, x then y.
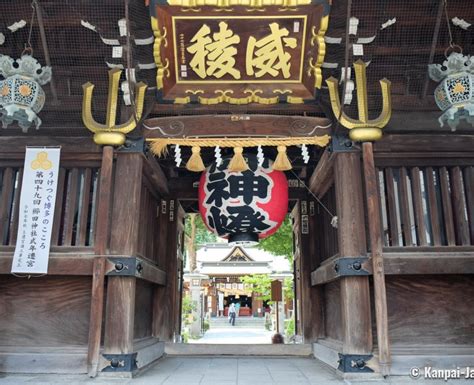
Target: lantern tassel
{"type": "Point", "coordinates": [238, 163]}
{"type": "Point", "coordinates": [195, 161]}
{"type": "Point", "coordinates": [282, 163]}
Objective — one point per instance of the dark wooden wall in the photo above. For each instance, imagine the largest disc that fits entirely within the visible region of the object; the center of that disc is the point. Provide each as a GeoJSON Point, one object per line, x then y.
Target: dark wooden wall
{"type": "Point", "coordinates": [143, 310]}
{"type": "Point", "coordinates": [167, 305]}
{"type": "Point", "coordinates": [431, 310]}
{"type": "Point", "coordinates": [309, 321]}
{"type": "Point", "coordinates": [45, 311]}
{"type": "Point", "coordinates": [332, 311]}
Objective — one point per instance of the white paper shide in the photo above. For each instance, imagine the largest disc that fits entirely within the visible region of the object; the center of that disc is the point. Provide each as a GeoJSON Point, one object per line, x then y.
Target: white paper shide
{"type": "Point", "coordinates": [36, 212]}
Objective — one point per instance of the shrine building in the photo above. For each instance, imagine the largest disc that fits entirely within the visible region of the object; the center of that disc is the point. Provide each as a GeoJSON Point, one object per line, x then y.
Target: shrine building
{"type": "Point", "coordinates": [224, 267]}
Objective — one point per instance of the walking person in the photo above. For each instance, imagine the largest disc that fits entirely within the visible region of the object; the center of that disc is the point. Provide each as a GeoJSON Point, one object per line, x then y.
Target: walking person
{"type": "Point", "coordinates": [232, 314]}
{"type": "Point", "coordinates": [237, 309]}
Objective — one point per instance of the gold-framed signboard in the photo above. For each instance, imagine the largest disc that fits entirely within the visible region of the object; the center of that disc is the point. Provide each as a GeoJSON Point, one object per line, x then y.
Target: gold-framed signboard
{"type": "Point", "coordinates": [239, 55]}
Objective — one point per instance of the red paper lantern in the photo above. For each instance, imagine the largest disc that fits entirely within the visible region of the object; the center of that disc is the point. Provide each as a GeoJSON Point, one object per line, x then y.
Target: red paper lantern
{"type": "Point", "coordinates": [243, 206]}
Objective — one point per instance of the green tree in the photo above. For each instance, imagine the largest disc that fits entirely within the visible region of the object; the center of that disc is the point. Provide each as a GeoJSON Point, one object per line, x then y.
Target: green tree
{"type": "Point", "coordinates": [188, 307]}
{"type": "Point", "coordinates": [196, 234]}
{"type": "Point", "coordinates": [203, 235]}
{"type": "Point", "coordinates": [262, 285]}
{"type": "Point", "coordinates": [288, 290]}
{"type": "Point", "coordinates": [280, 243]}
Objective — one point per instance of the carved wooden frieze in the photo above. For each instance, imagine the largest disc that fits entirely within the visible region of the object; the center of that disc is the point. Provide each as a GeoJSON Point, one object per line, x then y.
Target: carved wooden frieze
{"type": "Point", "coordinates": [236, 125]}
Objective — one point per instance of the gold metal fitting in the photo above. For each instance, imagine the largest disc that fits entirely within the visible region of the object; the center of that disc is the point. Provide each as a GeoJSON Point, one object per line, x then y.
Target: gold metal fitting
{"type": "Point", "coordinates": [363, 129]}
{"type": "Point", "coordinates": [110, 133]}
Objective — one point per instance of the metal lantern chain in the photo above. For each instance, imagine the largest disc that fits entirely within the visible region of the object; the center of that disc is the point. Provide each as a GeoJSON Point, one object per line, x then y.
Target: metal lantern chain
{"type": "Point", "coordinates": [28, 48]}
{"type": "Point", "coordinates": [451, 40]}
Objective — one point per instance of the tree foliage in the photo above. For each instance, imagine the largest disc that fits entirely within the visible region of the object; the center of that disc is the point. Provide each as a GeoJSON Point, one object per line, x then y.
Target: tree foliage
{"type": "Point", "coordinates": [280, 243]}
{"type": "Point", "coordinates": [203, 234]}
{"type": "Point", "coordinates": [196, 234]}
{"type": "Point", "coordinates": [262, 285]}
{"type": "Point", "coordinates": [187, 309]}
{"type": "Point", "coordinates": [288, 289]}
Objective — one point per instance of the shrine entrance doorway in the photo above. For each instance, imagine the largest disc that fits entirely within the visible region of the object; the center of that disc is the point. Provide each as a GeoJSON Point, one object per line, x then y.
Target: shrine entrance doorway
{"type": "Point", "coordinates": [218, 278]}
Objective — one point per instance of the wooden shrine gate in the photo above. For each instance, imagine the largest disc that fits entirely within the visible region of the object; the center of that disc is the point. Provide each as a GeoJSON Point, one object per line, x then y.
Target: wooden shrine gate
{"type": "Point", "coordinates": [112, 294]}
{"type": "Point", "coordinates": [426, 198]}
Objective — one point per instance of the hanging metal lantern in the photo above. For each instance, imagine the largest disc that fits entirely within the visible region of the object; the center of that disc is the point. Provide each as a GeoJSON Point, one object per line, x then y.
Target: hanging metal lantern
{"type": "Point", "coordinates": [243, 206]}
{"type": "Point", "coordinates": [455, 94]}
{"type": "Point", "coordinates": [21, 95]}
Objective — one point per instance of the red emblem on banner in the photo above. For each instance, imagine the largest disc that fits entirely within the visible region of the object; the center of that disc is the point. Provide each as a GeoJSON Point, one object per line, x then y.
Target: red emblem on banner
{"type": "Point", "coordinates": [243, 206]}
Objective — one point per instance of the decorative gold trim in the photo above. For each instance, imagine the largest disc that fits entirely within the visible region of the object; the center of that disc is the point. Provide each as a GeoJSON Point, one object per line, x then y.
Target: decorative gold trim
{"type": "Point", "coordinates": [290, 99]}
{"type": "Point", "coordinates": [196, 10]}
{"type": "Point", "coordinates": [362, 129]}
{"type": "Point", "coordinates": [111, 133]}
{"type": "Point", "coordinates": [192, 92]}
{"type": "Point", "coordinates": [224, 96]}
{"type": "Point", "coordinates": [182, 100]}
{"type": "Point", "coordinates": [232, 3]}
{"type": "Point", "coordinates": [315, 67]}
{"type": "Point", "coordinates": [198, 82]}
{"type": "Point", "coordinates": [294, 100]}
{"type": "Point", "coordinates": [162, 66]}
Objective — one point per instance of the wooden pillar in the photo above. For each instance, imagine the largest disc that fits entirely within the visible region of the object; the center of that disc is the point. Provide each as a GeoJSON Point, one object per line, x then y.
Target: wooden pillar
{"type": "Point", "coordinates": [355, 294]}
{"type": "Point", "coordinates": [102, 233]}
{"type": "Point", "coordinates": [120, 308]}
{"type": "Point", "coordinates": [213, 309]}
{"type": "Point", "coordinates": [256, 304]}
{"type": "Point", "coordinates": [375, 235]}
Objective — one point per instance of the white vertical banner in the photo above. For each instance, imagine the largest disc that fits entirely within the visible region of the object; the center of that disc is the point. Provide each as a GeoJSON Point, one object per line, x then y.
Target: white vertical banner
{"type": "Point", "coordinates": [221, 301]}
{"type": "Point", "coordinates": [36, 212]}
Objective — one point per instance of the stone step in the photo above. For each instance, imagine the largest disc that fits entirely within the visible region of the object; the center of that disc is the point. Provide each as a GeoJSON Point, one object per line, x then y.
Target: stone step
{"type": "Point", "coordinates": [301, 350]}
{"type": "Point", "coordinates": [237, 325]}
{"type": "Point", "coordinates": [256, 323]}
{"type": "Point", "coordinates": [241, 320]}
{"type": "Point", "coordinates": [246, 319]}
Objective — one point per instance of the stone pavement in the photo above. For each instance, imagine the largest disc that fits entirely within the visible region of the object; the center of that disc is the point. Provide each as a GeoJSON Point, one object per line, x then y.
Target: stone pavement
{"type": "Point", "coordinates": [235, 336]}
{"type": "Point", "coordinates": [224, 371]}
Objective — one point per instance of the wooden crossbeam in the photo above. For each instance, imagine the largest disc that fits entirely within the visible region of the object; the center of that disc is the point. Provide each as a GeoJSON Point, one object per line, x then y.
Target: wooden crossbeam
{"type": "Point", "coordinates": [232, 125]}
{"type": "Point", "coordinates": [407, 263]}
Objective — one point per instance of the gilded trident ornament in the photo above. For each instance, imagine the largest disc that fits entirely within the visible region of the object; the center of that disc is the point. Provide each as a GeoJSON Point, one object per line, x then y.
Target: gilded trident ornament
{"type": "Point", "coordinates": [110, 133]}
{"type": "Point", "coordinates": [363, 129]}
